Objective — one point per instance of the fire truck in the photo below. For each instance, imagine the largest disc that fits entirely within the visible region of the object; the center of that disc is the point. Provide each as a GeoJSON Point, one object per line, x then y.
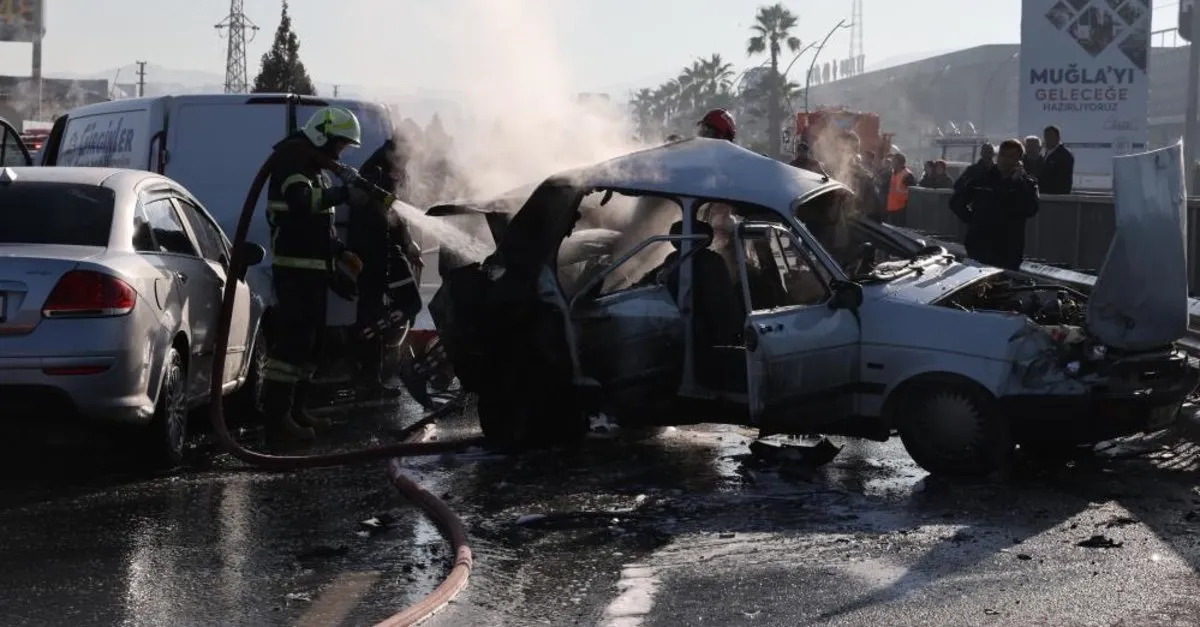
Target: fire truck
{"type": "Point", "coordinates": [813, 126]}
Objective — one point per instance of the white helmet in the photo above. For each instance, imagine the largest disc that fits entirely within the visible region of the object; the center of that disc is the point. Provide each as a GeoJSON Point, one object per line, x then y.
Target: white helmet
{"type": "Point", "coordinates": [333, 122]}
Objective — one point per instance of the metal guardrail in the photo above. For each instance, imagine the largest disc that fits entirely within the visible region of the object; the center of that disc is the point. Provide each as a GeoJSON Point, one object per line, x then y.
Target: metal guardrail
{"type": "Point", "coordinates": [1072, 231]}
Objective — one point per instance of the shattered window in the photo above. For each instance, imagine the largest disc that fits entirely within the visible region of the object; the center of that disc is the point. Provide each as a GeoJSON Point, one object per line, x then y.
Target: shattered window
{"type": "Point", "coordinates": [609, 228]}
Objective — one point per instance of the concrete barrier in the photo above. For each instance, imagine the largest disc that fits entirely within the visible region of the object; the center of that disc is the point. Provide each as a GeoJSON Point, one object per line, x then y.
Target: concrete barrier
{"type": "Point", "coordinates": [1072, 231]}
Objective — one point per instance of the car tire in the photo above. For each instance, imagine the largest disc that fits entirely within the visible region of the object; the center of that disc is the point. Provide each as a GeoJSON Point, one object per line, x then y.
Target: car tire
{"type": "Point", "coordinates": [168, 429]}
{"type": "Point", "coordinates": [954, 430]}
{"type": "Point", "coordinates": [512, 421]}
{"type": "Point", "coordinates": [245, 405]}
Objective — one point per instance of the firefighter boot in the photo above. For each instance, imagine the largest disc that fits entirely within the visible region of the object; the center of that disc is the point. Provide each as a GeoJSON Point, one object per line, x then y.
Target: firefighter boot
{"type": "Point", "coordinates": [277, 409]}
{"type": "Point", "coordinates": [371, 383]}
{"type": "Point", "coordinates": [301, 415]}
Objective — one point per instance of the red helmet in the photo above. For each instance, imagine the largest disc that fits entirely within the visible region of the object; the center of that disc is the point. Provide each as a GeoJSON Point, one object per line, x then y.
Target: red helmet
{"type": "Point", "coordinates": [719, 124]}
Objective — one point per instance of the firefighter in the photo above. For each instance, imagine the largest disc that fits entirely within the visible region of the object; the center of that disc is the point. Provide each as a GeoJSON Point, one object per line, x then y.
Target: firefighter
{"type": "Point", "coordinates": [308, 260]}
{"type": "Point", "coordinates": [381, 239]}
{"type": "Point", "coordinates": [718, 124]}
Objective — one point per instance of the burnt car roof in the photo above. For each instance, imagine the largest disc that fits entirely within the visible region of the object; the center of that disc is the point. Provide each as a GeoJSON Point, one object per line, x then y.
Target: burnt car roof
{"type": "Point", "coordinates": [708, 168]}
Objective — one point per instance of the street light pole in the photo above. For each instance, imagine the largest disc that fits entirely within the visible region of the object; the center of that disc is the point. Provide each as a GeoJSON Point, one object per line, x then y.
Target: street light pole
{"type": "Point", "coordinates": [1191, 133]}
{"type": "Point", "coordinates": [797, 58]}
{"type": "Point", "coordinates": [817, 55]}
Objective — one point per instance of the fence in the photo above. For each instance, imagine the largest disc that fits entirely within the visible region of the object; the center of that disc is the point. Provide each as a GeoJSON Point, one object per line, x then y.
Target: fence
{"type": "Point", "coordinates": [1069, 231]}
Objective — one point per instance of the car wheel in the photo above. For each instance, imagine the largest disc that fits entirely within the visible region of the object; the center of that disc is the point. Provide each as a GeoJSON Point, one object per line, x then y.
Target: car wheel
{"type": "Point", "coordinates": [168, 428]}
{"type": "Point", "coordinates": [515, 421]}
{"type": "Point", "coordinates": [246, 404]}
{"type": "Point", "coordinates": [954, 430]}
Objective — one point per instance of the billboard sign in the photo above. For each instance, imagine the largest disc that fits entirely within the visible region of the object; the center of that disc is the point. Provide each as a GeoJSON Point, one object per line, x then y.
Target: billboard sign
{"type": "Point", "coordinates": [1083, 69]}
{"type": "Point", "coordinates": [20, 20]}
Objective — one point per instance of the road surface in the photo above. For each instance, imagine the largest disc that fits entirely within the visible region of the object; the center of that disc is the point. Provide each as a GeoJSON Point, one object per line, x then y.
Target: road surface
{"type": "Point", "coordinates": [683, 529]}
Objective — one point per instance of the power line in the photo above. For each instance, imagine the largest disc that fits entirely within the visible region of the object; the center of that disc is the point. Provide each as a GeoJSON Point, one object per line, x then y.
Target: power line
{"type": "Point", "coordinates": [236, 76]}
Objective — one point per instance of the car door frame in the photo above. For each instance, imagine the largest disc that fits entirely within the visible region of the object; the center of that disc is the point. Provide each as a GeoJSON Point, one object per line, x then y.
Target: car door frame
{"type": "Point", "coordinates": [200, 344]}
{"type": "Point", "coordinates": [821, 341]}
{"type": "Point", "coordinates": [10, 129]}
{"type": "Point", "coordinates": [239, 347]}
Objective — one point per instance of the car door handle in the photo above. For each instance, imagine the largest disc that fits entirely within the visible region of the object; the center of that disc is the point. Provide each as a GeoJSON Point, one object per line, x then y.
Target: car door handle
{"type": "Point", "coordinates": [183, 278]}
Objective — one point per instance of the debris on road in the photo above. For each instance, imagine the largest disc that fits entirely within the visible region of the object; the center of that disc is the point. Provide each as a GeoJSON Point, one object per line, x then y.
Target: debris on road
{"type": "Point", "coordinates": [323, 552]}
{"type": "Point", "coordinates": [787, 452]}
{"type": "Point", "coordinates": [1100, 542]}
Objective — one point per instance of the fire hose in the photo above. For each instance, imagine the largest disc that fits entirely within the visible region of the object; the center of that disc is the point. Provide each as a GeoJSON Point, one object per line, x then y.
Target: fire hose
{"type": "Point", "coordinates": [452, 528]}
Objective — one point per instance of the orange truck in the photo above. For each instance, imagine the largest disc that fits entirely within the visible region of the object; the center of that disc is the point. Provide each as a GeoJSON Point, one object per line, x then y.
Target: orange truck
{"type": "Point", "coordinates": [822, 123]}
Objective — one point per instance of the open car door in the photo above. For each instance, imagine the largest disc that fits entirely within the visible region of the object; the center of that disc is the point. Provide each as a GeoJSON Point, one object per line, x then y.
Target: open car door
{"type": "Point", "coordinates": [13, 152]}
{"type": "Point", "coordinates": [802, 334]}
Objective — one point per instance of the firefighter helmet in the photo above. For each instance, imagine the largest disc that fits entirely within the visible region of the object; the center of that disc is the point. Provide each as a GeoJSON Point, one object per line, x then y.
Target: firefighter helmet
{"type": "Point", "coordinates": [333, 123]}
{"type": "Point", "coordinates": [718, 124]}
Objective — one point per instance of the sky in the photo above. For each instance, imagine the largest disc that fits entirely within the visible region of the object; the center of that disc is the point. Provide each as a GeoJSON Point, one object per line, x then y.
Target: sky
{"type": "Point", "coordinates": [437, 45]}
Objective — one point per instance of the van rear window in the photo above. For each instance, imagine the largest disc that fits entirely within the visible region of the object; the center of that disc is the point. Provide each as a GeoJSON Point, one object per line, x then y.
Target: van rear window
{"type": "Point", "coordinates": [117, 139]}
{"type": "Point", "coordinates": [55, 213]}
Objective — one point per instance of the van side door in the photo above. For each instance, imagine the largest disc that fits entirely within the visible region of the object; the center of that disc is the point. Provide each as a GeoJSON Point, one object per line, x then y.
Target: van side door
{"type": "Point", "coordinates": [801, 354]}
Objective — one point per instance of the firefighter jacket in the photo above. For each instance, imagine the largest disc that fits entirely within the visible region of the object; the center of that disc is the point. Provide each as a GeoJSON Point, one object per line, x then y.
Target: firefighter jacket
{"type": "Point", "coordinates": [301, 197]}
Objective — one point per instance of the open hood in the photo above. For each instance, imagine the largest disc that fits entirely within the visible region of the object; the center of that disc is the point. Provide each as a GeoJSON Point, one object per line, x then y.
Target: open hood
{"type": "Point", "coordinates": [1140, 300]}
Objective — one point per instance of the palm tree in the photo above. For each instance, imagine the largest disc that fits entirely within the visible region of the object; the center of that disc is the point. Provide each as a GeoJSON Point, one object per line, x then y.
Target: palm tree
{"type": "Point", "coordinates": [772, 30]}
{"type": "Point", "coordinates": [715, 77]}
{"type": "Point", "coordinates": [642, 103]}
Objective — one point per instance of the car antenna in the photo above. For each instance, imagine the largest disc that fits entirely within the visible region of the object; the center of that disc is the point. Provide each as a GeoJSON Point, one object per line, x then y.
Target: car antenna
{"type": "Point", "coordinates": [607, 197]}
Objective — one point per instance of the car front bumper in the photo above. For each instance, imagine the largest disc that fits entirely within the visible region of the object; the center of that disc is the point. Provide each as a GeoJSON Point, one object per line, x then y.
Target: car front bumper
{"type": "Point", "coordinates": [1104, 413]}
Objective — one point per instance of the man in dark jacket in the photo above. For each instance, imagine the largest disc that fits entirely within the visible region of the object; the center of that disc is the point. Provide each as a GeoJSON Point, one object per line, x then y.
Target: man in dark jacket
{"type": "Point", "coordinates": [995, 206]}
{"type": "Point", "coordinates": [1058, 168]}
{"type": "Point", "coordinates": [381, 238]}
{"type": "Point", "coordinates": [987, 159]}
{"type": "Point", "coordinates": [936, 177]}
{"type": "Point", "coordinates": [306, 262]}
{"type": "Point", "coordinates": [805, 161]}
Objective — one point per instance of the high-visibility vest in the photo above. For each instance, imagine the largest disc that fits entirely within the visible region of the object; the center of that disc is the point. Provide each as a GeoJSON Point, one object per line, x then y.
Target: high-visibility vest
{"type": "Point", "coordinates": [897, 197]}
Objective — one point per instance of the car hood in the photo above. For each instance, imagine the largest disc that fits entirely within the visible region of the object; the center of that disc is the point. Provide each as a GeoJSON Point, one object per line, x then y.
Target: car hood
{"type": "Point", "coordinates": [1140, 300]}
{"type": "Point", "coordinates": [938, 280]}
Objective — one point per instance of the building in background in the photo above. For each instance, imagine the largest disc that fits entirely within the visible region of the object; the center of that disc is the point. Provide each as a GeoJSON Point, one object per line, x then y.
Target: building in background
{"type": "Point", "coordinates": [979, 86]}
{"type": "Point", "coordinates": [57, 96]}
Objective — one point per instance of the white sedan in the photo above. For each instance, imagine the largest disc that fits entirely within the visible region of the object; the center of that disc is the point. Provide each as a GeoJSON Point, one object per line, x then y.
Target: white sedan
{"type": "Point", "coordinates": [110, 291]}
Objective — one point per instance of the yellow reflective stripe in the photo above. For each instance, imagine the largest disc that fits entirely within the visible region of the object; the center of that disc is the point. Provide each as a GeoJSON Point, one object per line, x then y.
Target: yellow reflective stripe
{"type": "Point", "coordinates": [295, 179]}
{"type": "Point", "coordinates": [302, 263]}
{"type": "Point", "coordinates": [279, 205]}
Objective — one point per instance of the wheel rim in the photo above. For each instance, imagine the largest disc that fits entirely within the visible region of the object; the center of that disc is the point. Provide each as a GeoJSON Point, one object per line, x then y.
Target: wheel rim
{"type": "Point", "coordinates": [176, 410]}
{"type": "Point", "coordinates": [950, 422]}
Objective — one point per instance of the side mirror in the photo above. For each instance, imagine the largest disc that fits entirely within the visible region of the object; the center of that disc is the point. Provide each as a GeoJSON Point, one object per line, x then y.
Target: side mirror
{"type": "Point", "coordinates": [253, 253]}
{"type": "Point", "coordinates": [846, 295]}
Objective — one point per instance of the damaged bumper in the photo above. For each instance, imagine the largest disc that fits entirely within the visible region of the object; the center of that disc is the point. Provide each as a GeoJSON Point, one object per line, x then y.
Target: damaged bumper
{"type": "Point", "coordinates": [1139, 397]}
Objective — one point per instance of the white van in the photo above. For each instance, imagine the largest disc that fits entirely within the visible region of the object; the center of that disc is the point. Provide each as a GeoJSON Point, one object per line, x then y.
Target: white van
{"type": "Point", "coordinates": [213, 145]}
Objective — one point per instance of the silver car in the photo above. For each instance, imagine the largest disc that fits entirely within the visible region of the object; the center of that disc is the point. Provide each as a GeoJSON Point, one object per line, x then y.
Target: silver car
{"type": "Point", "coordinates": [110, 289]}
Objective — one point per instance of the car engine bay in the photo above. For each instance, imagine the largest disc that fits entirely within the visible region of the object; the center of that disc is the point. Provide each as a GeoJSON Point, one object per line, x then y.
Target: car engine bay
{"type": "Point", "coordinates": [1044, 304]}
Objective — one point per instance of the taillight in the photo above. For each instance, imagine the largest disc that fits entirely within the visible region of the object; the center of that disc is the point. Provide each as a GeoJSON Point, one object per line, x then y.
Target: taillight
{"type": "Point", "coordinates": [82, 293]}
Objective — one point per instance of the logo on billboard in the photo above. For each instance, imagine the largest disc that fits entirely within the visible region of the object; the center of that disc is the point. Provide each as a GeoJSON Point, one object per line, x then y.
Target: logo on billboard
{"type": "Point", "coordinates": [1097, 25]}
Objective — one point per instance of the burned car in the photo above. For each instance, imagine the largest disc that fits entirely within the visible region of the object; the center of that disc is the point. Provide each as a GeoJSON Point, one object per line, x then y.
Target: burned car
{"type": "Point", "coordinates": [741, 290]}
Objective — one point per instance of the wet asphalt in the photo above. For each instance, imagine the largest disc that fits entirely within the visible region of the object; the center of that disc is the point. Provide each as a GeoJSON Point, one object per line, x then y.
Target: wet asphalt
{"type": "Point", "coordinates": [685, 528]}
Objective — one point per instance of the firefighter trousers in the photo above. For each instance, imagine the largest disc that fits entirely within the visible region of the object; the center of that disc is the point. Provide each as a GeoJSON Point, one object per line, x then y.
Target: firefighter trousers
{"type": "Point", "coordinates": [297, 326]}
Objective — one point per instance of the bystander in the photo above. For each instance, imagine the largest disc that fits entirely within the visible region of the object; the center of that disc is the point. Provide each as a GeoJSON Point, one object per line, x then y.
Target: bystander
{"type": "Point", "coordinates": [995, 205]}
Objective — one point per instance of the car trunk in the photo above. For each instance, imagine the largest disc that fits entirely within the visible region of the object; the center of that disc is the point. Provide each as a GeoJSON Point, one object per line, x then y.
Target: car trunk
{"type": "Point", "coordinates": [28, 273]}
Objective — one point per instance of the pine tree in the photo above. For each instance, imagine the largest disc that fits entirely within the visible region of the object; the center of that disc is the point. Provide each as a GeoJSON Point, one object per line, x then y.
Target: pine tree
{"type": "Point", "coordinates": [282, 71]}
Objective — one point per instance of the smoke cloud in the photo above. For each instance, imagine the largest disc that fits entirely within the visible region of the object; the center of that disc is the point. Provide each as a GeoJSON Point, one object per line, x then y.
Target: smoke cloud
{"type": "Point", "coordinates": [519, 118]}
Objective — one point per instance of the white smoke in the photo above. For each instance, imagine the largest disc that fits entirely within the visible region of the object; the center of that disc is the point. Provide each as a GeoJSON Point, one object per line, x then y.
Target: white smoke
{"type": "Point", "coordinates": [519, 118]}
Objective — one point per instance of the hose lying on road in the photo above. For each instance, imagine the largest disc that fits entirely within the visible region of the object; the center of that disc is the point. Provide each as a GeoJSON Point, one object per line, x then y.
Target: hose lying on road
{"type": "Point", "coordinates": [445, 519]}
